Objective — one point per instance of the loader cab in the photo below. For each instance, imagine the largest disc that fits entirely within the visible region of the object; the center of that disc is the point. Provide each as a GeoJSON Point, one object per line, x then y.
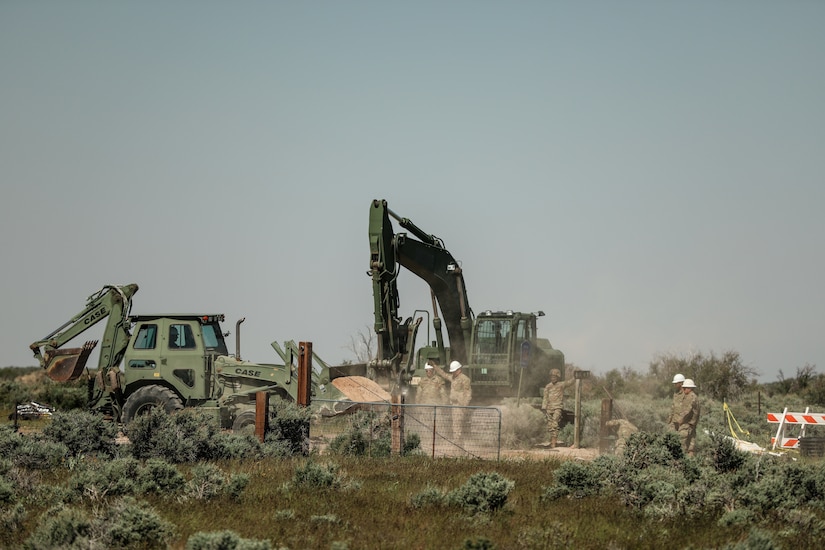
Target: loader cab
{"type": "Point", "coordinates": [178, 350]}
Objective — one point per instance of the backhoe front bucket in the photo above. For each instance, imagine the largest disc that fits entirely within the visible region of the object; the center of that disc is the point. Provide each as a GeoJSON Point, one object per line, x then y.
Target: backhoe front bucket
{"type": "Point", "coordinates": [67, 364]}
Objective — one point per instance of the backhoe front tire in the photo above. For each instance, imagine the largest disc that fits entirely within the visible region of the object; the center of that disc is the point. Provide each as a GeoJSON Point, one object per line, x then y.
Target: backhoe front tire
{"type": "Point", "coordinates": [147, 398]}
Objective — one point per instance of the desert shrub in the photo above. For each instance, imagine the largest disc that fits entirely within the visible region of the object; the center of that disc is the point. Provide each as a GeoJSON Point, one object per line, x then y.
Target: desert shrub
{"type": "Point", "coordinates": [224, 540]}
{"type": "Point", "coordinates": [322, 476]}
{"type": "Point", "coordinates": [187, 436]}
{"type": "Point", "coordinates": [11, 518]}
{"type": "Point", "coordinates": [13, 392]}
{"type": "Point", "coordinates": [63, 396]}
{"type": "Point", "coordinates": [644, 449]}
{"type": "Point", "coordinates": [83, 433]}
{"type": "Point", "coordinates": [159, 477]}
{"type": "Point", "coordinates": [783, 486]}
{"type": "Point", "coordinates": [131, 524]}
{"type": "Point", "coordinates": [62, 527]}
{"type": "Point", "coordinates": [429, 496]}
{"type": "Point", "coordinates": [289, 427]}
{"type": "Point", "coordinates": [207, 481]}
{"type": "Point", "coordinates": [31, 452]}
{"type": "Point", "coordinates": [7, 495]}
{"type": "Point", "coordinates": [154, 435]}
{"type": "Point", "coordinates": [724, 455]}
{"type": "Point", "coordinates": [370, 434]}
{"type": "Point", "coordinates": [482, 493]}
{"type": "Point", "coordinates": [756, 540]}
{"type": "Point", "coordinates": [105, 479]}
{"type": "Point", "coordinates": [577, 479]}
{"type": "Point", "coordinates": [352, 442]}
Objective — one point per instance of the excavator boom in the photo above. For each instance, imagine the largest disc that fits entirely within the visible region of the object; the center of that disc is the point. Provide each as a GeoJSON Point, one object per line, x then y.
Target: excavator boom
{"type": "Point", "coordinates": [112, 303]}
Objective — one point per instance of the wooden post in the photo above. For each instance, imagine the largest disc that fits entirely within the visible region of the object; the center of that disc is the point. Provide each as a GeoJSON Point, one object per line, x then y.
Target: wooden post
{"type": "Point", "coordinates": [397, 423]}
{"type": "Point", "coordinates": [304, 373]}
{"type": "Point", "coordinates": [579, 375]}
{"type": "Point", "coordinates": [261, 414]}
{"type": "Point", "coordinates": [607, 415]}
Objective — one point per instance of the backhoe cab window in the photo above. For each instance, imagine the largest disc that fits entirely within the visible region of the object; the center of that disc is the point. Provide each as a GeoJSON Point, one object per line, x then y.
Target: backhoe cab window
{"type": "Point", "coordinates": [213, 339]}
{"type": "Point", "coordinates": [147, 336]}
{"type": "Point", "coordinates": [181, 337]}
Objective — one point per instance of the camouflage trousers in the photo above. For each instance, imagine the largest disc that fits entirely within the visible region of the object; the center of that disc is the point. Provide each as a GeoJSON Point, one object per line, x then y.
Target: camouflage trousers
{"type": "Point", "coordinates": [688, 435]}
{"type": "Point", "coordinates": [553, 419]}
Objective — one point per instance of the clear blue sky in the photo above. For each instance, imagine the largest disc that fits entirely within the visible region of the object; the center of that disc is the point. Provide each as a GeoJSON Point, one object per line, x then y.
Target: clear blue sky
{"type": "Point", "coordinates": [650, 174]}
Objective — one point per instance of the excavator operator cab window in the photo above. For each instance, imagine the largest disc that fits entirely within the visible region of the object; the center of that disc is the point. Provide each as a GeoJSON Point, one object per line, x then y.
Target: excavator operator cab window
{"type": "Point", "coordinates": [181, 337]}
{"type": "Point", "coordinates": [147, 336]}
{"type": "Point", "coordinates": [491, 340]}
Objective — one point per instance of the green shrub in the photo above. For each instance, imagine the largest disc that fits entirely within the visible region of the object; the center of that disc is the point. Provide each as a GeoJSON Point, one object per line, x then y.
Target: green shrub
{"type": "Point", "coordinates": [207, 481]}
{"type": "Point", "coordinates": [644, 449]}
{"type": "Point", "coordinates": [96, 481]}
{"type": "Point", "coordinates": [159, 477]}
{"type": "Point", "coordinates": [224, 540]}
{"type": "Point", "coordinates": [429, 496]}
{"type": "Point", "coordinates": [130, 524]}
{"type": "Point", "coordinates": [581, 479]}
{"type": "Point", "coordinates": [289, 427]}
{"type": "Point", "coordinates": [756, 540]}
{"type": "Point", "coordinates": [724, 455]}
{"type": "Point", "coordinates": [370, 434]}
{"type": "Point", "coordinates": [31, 452]}
{"type": "Point", "coordinates": [83, 433]}
{"type": "Point", "coordinates": [11, 518]}
{"type": "Point", "coordinates": [322, 476]}
{"type": "Point", "coordinates": [65, 528]}
{"type": "Point", "coordinates": [482, 493]}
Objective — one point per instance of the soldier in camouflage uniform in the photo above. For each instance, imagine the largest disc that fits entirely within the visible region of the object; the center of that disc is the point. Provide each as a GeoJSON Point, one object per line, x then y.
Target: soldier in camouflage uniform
{"type": "Point", "coordinates": [432, 390]}
{"type": "Point", "coordinates": [678, 397]}
{"type": "Point", "coordinates": [623, 429]}
{"type": "Point", "coordinates": [460, 395]}
{"type": "Point", "coordinates": [553, 403]}
{"type": "Point", "coordinates": [687, 417]}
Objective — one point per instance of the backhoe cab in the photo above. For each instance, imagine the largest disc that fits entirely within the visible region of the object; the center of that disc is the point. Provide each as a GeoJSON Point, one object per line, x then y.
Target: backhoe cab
{"type": "Point", "coordinates": [500, 350]}
{"type": "Point", "coordinates": [174, 360]}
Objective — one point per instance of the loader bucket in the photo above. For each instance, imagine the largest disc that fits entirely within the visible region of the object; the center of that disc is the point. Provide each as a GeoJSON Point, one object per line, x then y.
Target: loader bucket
{"type": "Point", "coordinates": [67, 364]}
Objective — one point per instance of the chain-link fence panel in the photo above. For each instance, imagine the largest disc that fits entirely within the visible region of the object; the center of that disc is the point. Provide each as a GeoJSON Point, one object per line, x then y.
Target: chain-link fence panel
{"type": "Point", "coordinates": [379, 429]}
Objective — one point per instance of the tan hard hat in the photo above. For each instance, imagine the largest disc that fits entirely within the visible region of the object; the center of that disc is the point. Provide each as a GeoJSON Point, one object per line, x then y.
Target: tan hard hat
{"type": "Point", "coordinates": [555, 372]}
{"type": "Point", "coordinates": [688, 383]}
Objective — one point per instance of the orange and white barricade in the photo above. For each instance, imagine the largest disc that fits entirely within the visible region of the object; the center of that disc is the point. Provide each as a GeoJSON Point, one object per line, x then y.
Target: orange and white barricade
{"type": "Point", "coordinates": [785, 419]}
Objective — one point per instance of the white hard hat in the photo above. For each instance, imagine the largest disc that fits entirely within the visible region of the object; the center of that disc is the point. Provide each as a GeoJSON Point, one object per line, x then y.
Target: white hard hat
{"type": "Point", "coordinates": [678, 378]}
{"type": "Point", "coordinates": [454, 366]}
{"type": "Point", "coordinates": [688, 383]}
{"type": "Point", "coordinates": [428, 366]}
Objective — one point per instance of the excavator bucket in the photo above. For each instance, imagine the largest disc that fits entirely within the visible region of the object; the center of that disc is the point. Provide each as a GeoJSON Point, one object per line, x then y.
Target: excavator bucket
{"type": "Point", "coordinates": [67, 364]}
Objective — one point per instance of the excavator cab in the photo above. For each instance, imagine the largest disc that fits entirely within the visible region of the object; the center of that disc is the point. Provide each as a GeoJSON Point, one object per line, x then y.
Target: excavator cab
{"type": "Point", "coordinates": [63, 365]}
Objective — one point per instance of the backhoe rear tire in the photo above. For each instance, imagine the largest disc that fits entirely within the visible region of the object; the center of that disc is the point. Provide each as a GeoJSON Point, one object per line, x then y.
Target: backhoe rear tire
{"type": "Point", "coordinates": [244, 419]}
{"type": "Point", "coordinates": [147, 398]}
